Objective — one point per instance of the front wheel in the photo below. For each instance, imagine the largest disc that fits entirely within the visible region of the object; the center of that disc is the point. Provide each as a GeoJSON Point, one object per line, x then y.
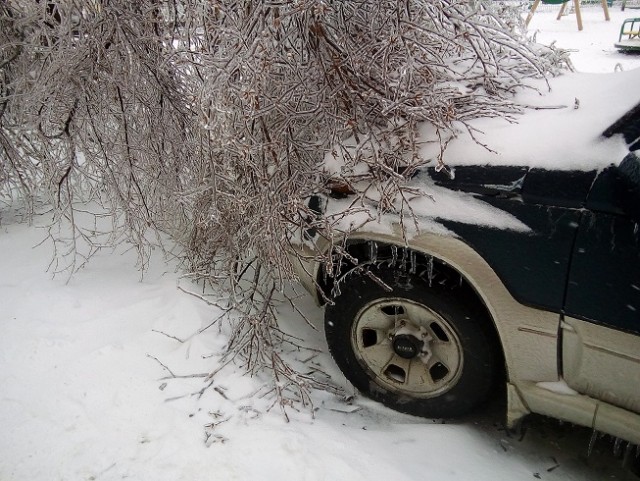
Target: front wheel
{"type": "Point", "coordinates": [419, 349]}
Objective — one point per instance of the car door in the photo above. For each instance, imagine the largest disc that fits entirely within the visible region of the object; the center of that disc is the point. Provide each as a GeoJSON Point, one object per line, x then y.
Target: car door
{"type": "Point", "coordinates": [601, 326]}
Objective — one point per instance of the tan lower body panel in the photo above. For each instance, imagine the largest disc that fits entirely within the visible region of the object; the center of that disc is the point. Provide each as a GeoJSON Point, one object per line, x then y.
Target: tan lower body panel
{"type": "Point", "coordinates": [576, 408]}
{"type": "Point", "coordinates": [602, 362]}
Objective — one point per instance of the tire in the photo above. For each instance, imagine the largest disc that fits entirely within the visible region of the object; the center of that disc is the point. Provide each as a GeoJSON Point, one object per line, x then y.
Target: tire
{"type": "Point", "coordinates": [420, 349]}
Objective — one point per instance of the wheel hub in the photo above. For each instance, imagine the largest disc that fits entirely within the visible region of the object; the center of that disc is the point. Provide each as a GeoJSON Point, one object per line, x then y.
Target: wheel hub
{"type": "Point", "coordinates": [407, 346]}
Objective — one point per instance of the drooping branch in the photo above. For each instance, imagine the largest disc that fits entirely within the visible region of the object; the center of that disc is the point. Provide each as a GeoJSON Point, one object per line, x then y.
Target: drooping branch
{"type": "Point", "coordinates": [211, 121]}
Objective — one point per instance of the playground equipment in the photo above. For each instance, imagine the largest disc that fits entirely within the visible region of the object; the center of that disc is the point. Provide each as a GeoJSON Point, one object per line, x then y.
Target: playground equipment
{"type": "Point", "coordinates": [576, 7]}
{"type": "Point", "coordinates": [629, 39]}
{"type": "Point", "coordinates": [630, 4]}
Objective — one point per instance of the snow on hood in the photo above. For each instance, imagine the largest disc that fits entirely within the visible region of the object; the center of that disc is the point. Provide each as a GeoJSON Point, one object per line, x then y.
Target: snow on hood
{"type": "Point", "coordinates": [562, 131]}
{"type": "Point", "coordinates": [565, 138]}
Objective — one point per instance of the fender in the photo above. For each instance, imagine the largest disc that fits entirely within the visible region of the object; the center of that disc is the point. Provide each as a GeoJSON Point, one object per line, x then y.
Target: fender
{"type": "Point", "coordinates": [529, 336]}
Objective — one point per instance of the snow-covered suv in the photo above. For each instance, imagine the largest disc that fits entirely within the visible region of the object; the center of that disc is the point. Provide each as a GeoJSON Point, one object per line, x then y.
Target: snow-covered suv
{"type": "Point", "coordinates": [441, 318]}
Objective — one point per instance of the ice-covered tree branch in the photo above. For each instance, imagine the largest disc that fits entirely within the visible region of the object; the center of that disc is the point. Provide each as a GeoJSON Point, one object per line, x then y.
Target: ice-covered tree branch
{"type": "Point", "coordinates": [209, 122]}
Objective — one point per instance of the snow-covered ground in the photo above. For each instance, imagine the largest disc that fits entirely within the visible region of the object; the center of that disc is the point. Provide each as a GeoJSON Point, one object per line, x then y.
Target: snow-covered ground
{"type": "Point", "coordinates": [92, 386]}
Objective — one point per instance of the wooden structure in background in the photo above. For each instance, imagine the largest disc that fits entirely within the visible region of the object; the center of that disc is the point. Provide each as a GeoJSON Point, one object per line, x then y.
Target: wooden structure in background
{"type": "Point", "coordinates": [576, 6]}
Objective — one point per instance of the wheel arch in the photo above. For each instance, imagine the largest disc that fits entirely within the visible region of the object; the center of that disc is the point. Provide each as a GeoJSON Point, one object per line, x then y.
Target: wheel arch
{"type": "Point", "coordinates": [526, 336]}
